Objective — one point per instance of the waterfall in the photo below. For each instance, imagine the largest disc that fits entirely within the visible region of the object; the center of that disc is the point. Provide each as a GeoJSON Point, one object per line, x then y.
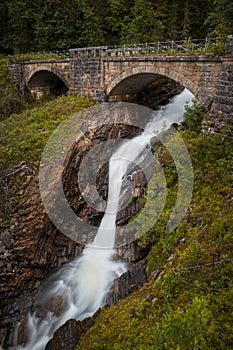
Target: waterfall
{"type": "Point", "coordinates": [80, 287]}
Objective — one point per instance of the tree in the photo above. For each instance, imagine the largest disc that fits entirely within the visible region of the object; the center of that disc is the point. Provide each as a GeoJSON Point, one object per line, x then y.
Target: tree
{"type": "Point", "coordinates": [220, 19]}
{"type": "Point", "coordinates": [187, 19]}
{"type": "Point", "coordinates": [194, 116]}
{"type": "Point", "coordinates": [183, 329]}
{"type": "Point", "coordinates": [199, 11]}
{"type": "Point", "coordinates": [118, 19]}
{"type": "Point", "coordinates": [173, 24]}
{"type": "Point", "coordinates": [3, 26]}
{"type": "Point", "coordinates": [62, 25]}
{"type": "Point", "coordinates": [186, 23]}
{"type": "Point", "coordinates": [21, 24]}
{"type": "Point", "coordinates": [145, 22]}
{"type": "Point", "coordinates": [54, 24]}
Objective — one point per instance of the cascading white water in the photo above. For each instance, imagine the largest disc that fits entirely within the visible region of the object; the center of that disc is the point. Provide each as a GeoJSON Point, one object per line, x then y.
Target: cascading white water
{"type": "Point", "coordinates": [82, 285]}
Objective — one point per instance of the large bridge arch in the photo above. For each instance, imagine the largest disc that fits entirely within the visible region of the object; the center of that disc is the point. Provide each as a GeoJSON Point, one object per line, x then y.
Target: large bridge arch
{"type": "Point", "coordinates": [133, 80]}
{"type": "Point", "coordinates": [44, 79]}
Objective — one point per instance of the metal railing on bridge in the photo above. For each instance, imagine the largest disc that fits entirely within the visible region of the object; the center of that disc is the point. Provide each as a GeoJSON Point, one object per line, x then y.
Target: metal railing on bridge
{"type": "Point", "coordinates": [198, 46]}
{"type": "Point", "coordinates": [165, 47]}
{"type": "Point", "coordinates": [188, 46]}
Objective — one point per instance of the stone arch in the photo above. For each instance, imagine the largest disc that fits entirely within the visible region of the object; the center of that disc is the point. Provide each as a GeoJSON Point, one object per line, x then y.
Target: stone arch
{"type": "Point", "coordinates": [149, 73]}
{"type": "Point", "coordinates": [50, 69]}
{"type": "Point", "coordinates": [46, 80]}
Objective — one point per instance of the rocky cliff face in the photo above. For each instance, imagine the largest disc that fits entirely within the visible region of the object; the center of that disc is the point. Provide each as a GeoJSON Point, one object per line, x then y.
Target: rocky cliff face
{"type": "Point", "coordinates": [159, 92]}
{"type": "Point", "coordinates": [38, 248]}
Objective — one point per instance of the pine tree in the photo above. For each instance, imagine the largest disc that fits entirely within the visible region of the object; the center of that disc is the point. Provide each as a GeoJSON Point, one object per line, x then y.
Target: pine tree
{"type": "Point", "coordinates": [119, 19]}
{"type": "Point", "coordinates": [4, 19]}
{"type": "Point", "coordinates": [186, 24]}
{"type": "Point", "coordinates": [147, 22]}
{"type": "Point", "coordinates": [21, 24]}
{"type": "Point", "coordinates": [173, 23]}
{"type": "Point", "coordinates": [220, 19]}
{"type": "Point", "coordinates": [62, 25]}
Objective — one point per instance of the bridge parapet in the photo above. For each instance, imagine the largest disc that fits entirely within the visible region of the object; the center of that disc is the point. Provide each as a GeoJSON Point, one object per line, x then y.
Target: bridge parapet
{"type": "Point", "coordinates": [88, 52]}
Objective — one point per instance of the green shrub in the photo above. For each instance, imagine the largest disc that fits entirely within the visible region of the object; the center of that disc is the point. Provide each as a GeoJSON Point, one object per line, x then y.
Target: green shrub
{"type": "Point", "coordinates": [183, 329]}
{"type": "Point", "coordinates": [194, 116]}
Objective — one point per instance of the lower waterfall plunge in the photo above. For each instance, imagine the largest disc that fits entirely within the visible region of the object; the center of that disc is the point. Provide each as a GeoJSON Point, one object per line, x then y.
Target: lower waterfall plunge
{"type": "Point", "coordinates": [80, 287]}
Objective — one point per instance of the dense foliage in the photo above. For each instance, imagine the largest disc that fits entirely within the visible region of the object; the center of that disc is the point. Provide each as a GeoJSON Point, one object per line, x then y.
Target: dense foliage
{"type": "Point", "coordinates": [27, 25]}
{"type": "Point", "coordinates": [10, 101]}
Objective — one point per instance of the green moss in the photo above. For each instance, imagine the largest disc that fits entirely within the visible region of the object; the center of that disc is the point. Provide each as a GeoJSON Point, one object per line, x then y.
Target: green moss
{"type": "Point", "coordinates": [40, 56]}
{"type": "Point", "coordinates": [23, 137]}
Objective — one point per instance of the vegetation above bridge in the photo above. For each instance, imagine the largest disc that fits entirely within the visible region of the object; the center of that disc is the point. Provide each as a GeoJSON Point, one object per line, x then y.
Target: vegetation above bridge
{"type": "Point", "coordinates": [26, 25]}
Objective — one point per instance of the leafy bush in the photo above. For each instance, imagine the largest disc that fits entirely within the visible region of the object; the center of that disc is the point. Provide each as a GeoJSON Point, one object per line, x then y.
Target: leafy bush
{"type": "Point", "coordinates": [194, 116]}
{"type": "Point", "coordinates": [9, 98]}
{"type": "Point", "coordinates": [183, 329]}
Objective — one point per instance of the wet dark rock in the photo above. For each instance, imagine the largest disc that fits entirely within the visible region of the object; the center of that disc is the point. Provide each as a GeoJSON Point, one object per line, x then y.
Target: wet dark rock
{"type": "Point", "coordinates": [5, 238]}
{"type": "Point", "coordinates": [129, 282]}
{"type": "Point", "coordinates": [56, 304]}
{"type": "Point", "coordinates": [67, 336]}
{"type": "Point", "coordinates": [2, 248]}
{"type": "Point", "coordinates": [159, 93]}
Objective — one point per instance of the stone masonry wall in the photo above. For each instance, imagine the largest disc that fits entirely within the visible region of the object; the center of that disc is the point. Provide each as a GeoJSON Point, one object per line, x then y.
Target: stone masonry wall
{"type": "Point", "coordinates": [221, 112]}
{"type": "Point", "coordinates": [87, 73]}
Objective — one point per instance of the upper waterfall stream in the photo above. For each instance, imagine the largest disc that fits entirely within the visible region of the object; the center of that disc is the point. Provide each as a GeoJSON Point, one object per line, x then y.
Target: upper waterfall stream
{"type": "Point", "coordinates": [81, 286]}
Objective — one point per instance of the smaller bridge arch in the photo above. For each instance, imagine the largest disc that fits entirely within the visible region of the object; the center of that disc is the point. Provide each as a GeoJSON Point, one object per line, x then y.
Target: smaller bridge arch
{"type": "Point", "coordinates": [49, 68]}
{"type": "Point", "coordinates": [44, 80]}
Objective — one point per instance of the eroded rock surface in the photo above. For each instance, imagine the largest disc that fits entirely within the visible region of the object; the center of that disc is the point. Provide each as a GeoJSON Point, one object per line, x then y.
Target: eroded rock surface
{"type": "Point", "coordinates": [37, 247]}
{"type": "Point", "coordinates": [67, 336]}
{"type": "Point", "coordinates": [31, 247]}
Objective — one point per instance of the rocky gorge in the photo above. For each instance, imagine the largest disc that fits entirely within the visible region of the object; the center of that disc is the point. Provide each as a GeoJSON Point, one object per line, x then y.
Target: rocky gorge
{"type": "Point", "coordinates": [31, 248]}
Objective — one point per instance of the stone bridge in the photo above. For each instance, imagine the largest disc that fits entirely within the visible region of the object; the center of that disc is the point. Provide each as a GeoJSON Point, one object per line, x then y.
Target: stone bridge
{"type": "Point", "coordinates": [114, 75]}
